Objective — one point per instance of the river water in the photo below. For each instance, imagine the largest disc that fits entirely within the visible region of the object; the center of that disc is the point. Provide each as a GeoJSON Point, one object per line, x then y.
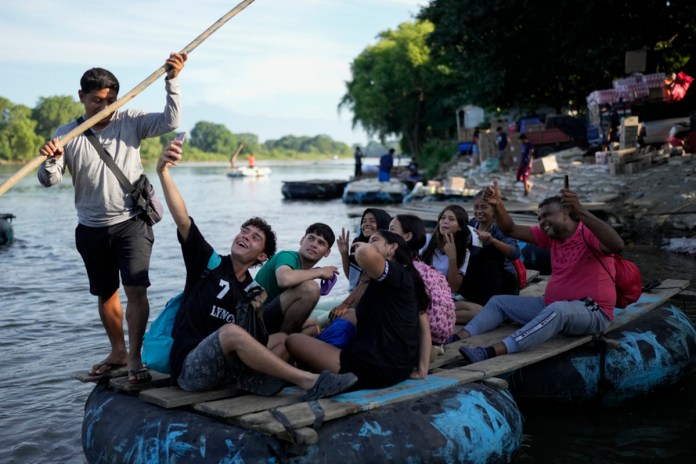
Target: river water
{"type": "Point", "coordinates": [50, 328]}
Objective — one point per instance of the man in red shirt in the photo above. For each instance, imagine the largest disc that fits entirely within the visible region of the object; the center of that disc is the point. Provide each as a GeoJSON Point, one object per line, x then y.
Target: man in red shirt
{"type": "Point", "coordinates": [580, 295]}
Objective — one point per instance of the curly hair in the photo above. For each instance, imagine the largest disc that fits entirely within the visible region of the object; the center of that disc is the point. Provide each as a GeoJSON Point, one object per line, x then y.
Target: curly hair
{"type": "Point", "coordinates": [270, 243]}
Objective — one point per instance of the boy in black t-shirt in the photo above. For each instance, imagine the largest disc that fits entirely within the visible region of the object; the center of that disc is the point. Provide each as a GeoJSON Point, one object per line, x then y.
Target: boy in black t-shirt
{"type": "Point", "coordinates": [210, 349]}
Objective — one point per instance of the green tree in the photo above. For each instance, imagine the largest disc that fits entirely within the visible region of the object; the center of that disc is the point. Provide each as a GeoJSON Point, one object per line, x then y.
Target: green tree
{"type": "Point", "coordinates": [150, 149]}
{"type": "Point", "coordinates": [52, 112]}
{"type": "Point", "coordinates": [213, 138]}
{"type": "Point", "coordinates": [524, 53]}
{"type": "Point", "coordinates": [393, 87]}
{"type": "Point", "coordinates": [251, 143]}
{"type": "Point", "coordinates": [18, 139]}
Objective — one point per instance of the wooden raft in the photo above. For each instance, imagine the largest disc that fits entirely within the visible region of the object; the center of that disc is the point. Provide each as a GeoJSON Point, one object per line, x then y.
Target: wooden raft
{"type": "Point", "coordinates": [286, 417]}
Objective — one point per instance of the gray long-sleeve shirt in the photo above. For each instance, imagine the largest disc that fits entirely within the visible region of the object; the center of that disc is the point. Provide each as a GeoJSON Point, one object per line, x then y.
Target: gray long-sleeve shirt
{"type": "Point", "coordinates": [100, 199]}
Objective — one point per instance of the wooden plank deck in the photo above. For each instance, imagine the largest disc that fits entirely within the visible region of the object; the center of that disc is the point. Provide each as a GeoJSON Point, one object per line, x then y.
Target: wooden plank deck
{"type": "Point", "coordinates": [288, 418]}
{"type": "Point", "coordinates": [558, 344]}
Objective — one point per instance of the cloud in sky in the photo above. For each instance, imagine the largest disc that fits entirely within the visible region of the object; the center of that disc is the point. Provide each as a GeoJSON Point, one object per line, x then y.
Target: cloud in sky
{"type": "Point", "coordinates": [277, 65]}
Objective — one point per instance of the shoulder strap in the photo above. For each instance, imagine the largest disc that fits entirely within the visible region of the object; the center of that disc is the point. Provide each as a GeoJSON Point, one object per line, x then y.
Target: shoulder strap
{"type": "Point", "coordinates": [106, 157]}
{"type": "Point", "coordinates": [595, 254]}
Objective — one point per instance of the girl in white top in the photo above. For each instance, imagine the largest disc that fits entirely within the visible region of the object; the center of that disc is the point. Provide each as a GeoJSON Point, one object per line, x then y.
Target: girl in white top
{"type": "Point", "coordinates": [448, 251]}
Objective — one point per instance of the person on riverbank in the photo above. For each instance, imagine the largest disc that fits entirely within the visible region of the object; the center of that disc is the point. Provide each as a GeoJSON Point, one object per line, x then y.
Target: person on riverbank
{"type": "Point", "coordinates": [524, 169]}
{"type": "Point", "coordinates": [581, 293]}
{"type": "Point", "coordinates": [358, 162]}
{"type": "Point", "coordinates": [501, 142]}
{"type": "Point", "coordinates": [437, 323]}
{"type": "Point", "coordinates": [448, 249]}
{"type": "Point", "coordinates": [475, 158]}
{"type": "Point", "coordinates": [386, 163]}
{"type": "Point", "coordinates": [209, 349]}
{"type": "Point", "coordinates": [384, 349]}
{"type": "Point", "coordinates": [289, 278]}
{"type": "Point", "coordinates": [110, 235]}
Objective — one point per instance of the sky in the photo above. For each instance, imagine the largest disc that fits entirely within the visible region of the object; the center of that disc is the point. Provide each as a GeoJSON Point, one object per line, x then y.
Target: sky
{"type": "Point", "coordinates": [279, 67]}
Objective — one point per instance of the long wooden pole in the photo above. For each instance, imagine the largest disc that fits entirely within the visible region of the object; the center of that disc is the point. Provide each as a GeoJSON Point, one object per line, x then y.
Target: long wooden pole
{"type": "Point", "coordinates": [33, 164]}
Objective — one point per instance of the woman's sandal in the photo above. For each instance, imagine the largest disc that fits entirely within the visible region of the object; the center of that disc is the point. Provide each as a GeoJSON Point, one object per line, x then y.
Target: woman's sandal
{"type": "Point", "coordinates": [329, 384]}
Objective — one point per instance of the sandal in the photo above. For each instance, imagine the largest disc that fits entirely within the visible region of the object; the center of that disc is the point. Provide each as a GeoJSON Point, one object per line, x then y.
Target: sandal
{"type": "Point", "coordinates": [110, 366]}
{"type": "Point", "coordinates": [139, 376]}
{"type": "Point", "coordinates": [329, 384]}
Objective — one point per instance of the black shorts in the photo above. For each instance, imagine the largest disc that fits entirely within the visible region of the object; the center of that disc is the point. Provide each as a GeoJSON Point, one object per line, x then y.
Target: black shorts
{"type": "Point", "coordinates": [370, 376]}
{"type": "Point", "coordinates": [273, 315]}
{"type": "Point", "coordinates": [125, 247]}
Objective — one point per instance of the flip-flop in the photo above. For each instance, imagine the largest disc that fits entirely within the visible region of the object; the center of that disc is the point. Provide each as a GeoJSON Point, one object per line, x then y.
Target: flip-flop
{"type": "Point", "coordinates": [329, 384]}
{"type": "Point", "coordinates": [110, 366]}
{"type": "Point", "coordinates": [327, 284]}
{"type": "Point", "coordinates": [140, 376]}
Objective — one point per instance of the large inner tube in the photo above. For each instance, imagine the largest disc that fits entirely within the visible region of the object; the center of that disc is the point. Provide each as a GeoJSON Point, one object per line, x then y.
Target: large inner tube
{"type": "Point", "coordinates": [655, 351]}
{"type": "Point", "coordinates": [471, 423]}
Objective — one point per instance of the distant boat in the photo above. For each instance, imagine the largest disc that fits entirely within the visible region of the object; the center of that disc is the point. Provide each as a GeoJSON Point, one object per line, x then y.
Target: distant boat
{"type": "Point", "coordinates": [6, 232]}
{"type": "Point", "coordinates": [313, 189]}
{"type": "Point", "coordinates": [370, 192]}
{"type": "Point", "coordinates": [248, 172]}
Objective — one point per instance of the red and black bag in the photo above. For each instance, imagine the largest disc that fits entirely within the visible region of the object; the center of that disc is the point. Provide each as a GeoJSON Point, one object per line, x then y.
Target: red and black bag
{"type": "Point", "coordinates": [629, 284]}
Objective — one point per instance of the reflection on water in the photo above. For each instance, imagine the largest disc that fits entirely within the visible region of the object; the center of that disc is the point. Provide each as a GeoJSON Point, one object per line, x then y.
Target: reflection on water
{"type": "Point", "coordinates": [50, 327]}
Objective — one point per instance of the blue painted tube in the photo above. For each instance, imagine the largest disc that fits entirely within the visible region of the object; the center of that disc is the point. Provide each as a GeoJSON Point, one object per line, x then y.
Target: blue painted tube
{"type": "Point", "coordinates": [468, 424]}
{"type": "Point", "coordinates": [655, 351]}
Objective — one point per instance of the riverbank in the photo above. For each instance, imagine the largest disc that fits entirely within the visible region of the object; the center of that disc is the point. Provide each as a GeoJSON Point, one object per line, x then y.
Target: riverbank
{"type": "Point", "coordinates": [653, 205]}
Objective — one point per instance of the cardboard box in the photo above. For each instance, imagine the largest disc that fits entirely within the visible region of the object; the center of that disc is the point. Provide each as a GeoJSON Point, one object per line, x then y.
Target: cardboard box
{"type": "Point", "coordinates": [545, 164]}
{"type": "Point", "coordinates": [456, 183]}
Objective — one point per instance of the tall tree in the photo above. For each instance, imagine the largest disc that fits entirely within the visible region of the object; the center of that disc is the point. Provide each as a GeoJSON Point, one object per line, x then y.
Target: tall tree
{"type": "Point", "coordinates": [529, 53]}
{"type": "Point", "coordinates": [213, 138]}
{"type": "Point", "coordinates": [52, 112]}
{"type": "Point", "coordinates": [18, 140]}
{"type": "Point", "coordinates": [393, 85]}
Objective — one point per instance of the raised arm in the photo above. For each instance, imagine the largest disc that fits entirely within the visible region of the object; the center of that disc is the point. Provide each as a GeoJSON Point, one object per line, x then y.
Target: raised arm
{"type": "Point", "coordinates": [502, 219]}
{"type": "Point", "coordinates": [343, 244]}
{"type": "Point", "coordinates": [175, 202]}
{"type": "Point", "coordinates": [609, 239]}
{"type": "Point", "coordinates": [369, 259]}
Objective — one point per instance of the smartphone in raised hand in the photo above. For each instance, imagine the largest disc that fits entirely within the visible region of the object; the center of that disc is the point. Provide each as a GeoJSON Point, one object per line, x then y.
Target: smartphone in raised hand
{"type": "Point", "coordinates": [180, 137]}
{"type": "Point", "coordinates": [566, 184]}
